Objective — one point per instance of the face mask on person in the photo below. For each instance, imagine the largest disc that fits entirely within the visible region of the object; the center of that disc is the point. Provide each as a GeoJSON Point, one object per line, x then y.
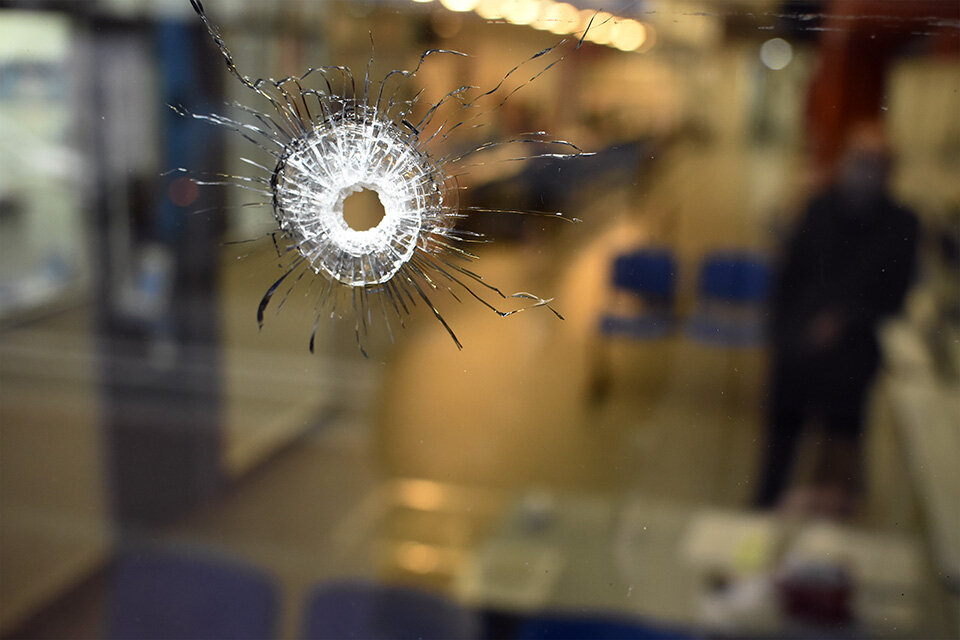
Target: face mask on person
{"type": "Point", "coordinates": [863, 179]}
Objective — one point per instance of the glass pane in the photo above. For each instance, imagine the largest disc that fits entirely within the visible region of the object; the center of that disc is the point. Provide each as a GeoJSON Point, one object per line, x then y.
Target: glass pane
{"type": "Point", "coordinates": [479, 318]}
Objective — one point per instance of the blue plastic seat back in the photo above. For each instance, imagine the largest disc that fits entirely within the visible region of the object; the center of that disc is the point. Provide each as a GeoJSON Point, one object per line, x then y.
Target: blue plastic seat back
{"type": "Point", "coordinates": [570, 628]}
{"type": "Point", "coordinates": [163, 595]}
{"type": "Point", "coordinates": [647, 272]}
{"type": "Point", "coordinates": [369, 611]}
{"type": "Point", "coordinates": [737, 277]}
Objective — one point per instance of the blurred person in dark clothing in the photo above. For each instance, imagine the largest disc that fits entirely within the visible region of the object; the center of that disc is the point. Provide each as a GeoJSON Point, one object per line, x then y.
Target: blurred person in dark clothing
{"type": "Point", "coordinates": [845, 268]}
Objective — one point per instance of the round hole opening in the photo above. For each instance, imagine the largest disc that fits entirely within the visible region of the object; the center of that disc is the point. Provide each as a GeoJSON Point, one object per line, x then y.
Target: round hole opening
{"type": "Point", "coordinates": [363, 210]}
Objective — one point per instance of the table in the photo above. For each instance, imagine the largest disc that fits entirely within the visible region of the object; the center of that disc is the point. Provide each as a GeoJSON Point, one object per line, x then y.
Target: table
{"type": "Point", "coordinates": [635, 557]}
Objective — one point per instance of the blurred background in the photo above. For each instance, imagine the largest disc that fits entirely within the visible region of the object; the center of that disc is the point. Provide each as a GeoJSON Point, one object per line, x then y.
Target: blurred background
{"type": "Point", "coordinates": [167, 470]}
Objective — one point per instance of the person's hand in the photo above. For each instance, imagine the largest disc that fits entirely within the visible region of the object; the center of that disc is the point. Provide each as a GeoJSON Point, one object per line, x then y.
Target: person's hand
{"type": "Point", "coordinates": [824, 330]}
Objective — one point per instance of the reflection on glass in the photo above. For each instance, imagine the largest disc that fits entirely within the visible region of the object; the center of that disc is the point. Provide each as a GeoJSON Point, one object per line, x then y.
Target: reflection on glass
{"type": "Point", "coordinates": [651, 465]}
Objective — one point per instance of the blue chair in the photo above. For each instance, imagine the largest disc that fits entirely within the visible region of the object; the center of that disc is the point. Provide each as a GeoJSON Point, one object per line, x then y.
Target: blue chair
{"type": "Point", "coordinates": [732, 290]}
{"type": "Point", "coordinates": [649, 274]}
{"type": "Point", "coordinates": [571, 628]}
{"type": "Point", "coordinates": [370, 611]}
{"type": "Point", "coordinates": [164, 596]}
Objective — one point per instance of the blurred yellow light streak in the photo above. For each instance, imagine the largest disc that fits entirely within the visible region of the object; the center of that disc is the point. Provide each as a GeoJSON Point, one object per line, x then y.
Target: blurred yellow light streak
{"type": "Point", "coordinates": [545, 16]}
{"type": "Point", "coordinates": [601, 28]}
{"type": "Point", "coordinates": [628, 35]}
{"type": "Point", "coordinates": [562, 18]}
{"type": "Point", "coordinates": [567, 19]}
{"type": "Point", "coordinates": [459, 5]}
{"type": "Point", "coordinates": [650, 38]}
{"type": "Point", "coordinates": [490, 9]}
{"type": "Point", "coordinates": [521, 11]}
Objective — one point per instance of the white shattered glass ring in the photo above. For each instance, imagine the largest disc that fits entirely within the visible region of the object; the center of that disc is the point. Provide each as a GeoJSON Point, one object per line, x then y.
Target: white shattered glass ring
{"type": "Point", "coordinates": [334, 162]}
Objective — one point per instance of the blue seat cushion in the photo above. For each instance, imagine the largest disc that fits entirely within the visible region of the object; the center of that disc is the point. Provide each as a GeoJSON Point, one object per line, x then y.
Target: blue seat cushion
{"type": "Point", "coordinates": [371, 611]}
{"type": "Point", "coordinates": [166, 595]}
